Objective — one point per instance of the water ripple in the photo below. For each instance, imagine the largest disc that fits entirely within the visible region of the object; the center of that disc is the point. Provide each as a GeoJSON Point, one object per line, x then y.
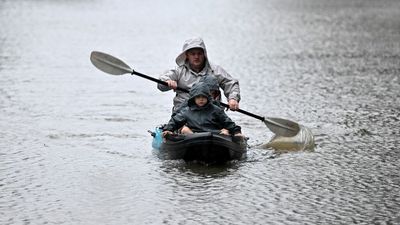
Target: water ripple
{"type": "Point", "coordinates": [74, 146]}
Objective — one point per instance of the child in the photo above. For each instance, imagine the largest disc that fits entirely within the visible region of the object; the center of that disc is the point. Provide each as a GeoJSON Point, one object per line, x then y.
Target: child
{"type": "Point", "coordinates": [212, 84]}
{"type": "Point", "coordinates": [201, 115]}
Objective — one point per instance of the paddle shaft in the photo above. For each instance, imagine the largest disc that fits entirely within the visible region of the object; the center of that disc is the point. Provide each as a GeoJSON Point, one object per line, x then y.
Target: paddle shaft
{"type": "Point", "coordinates": [184, 90]}
{"type": "Point", "coordinates": [111, 65]}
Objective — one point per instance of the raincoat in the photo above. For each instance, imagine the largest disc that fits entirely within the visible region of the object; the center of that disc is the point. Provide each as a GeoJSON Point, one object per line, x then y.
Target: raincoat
{"type": "Point", "coordinates": [208, 118]}
{"type": "Point", "coordinates": [212, 84]}
{"type": "Point", "coordinates": [185, 77]}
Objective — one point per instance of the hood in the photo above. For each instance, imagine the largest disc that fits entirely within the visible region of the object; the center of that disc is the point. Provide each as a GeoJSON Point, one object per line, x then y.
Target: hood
{"type": "Point", "coordinates": [195, 42]}
{"type": "Point", "coordinates": [197, 89]}
{"type": "Point", "coordinates": [211, 82]}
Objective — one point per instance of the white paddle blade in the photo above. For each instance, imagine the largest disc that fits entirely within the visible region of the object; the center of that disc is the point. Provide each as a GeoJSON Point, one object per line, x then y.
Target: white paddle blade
{"type": "Point", "coordinates": [282, 127]}
{"type": "Point", "coordinates": [109, 64]}
{"type": "Point", "coordinates": [304, 140]}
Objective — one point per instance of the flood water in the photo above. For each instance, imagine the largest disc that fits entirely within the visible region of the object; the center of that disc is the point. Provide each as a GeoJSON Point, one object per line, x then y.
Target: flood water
{"type": "Point", "coordinates": [74, 147]}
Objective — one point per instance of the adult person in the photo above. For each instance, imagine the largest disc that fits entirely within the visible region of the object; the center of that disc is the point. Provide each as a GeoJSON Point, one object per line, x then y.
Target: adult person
{"type": "Point", "coordinates": [192, 64]}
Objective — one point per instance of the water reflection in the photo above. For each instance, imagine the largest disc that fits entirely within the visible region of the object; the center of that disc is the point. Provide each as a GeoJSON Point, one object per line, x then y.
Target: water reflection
{"type": "Point", "coordinates": [196, 168]}
{"type": "Point", "coordinates": [74, 141]}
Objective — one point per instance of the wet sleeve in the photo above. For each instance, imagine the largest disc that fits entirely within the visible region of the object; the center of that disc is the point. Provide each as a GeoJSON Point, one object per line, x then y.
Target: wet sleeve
{"type": "Point", "coordinates": [176, 121]}
{"type": "Point", "coordinates": [180, 108]}
{"type": "Point", "coordinates": [229, 84]}
{"type": "Point", "coordinates": [228, 124]}
{"type": "Point", "coordinates": [168, 75]}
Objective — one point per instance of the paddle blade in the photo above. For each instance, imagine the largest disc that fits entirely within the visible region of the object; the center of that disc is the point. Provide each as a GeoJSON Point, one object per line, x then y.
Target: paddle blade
{"type": "Point", "coordinates": [109, 64]}
{"type": "Point", "coordinates": [304, 140]}
{"type": "Point", "coordinates": [282, 127]}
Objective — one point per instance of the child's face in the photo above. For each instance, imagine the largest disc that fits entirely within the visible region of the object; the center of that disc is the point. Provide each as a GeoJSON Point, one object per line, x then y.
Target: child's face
{"type": "Point", "coordinates": [200, 100]}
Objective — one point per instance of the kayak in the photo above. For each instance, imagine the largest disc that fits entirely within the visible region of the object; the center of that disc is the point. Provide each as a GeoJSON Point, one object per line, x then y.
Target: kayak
{"type": "Point", "coordinates": [205, 147]}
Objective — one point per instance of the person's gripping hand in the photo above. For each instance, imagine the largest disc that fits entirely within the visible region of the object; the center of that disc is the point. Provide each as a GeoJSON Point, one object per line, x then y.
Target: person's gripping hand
{"type": "Point", "coordinates": [233, 104]}
{"type": "Point", "coordinates": [172, 84]}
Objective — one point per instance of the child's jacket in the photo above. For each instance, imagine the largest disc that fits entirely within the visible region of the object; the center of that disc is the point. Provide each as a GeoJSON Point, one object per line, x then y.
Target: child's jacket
{"type": "Point", "coordinates": [209, 118]}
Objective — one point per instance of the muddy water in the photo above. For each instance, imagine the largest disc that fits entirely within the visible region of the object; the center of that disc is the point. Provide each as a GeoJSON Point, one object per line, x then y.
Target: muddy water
{"type": "Point", "coordinates": [74, 145]}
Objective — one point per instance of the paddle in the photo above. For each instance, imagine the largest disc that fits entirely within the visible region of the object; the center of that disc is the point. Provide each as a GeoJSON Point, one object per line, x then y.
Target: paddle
{"type": "Point", "coordinates": [111, 65]}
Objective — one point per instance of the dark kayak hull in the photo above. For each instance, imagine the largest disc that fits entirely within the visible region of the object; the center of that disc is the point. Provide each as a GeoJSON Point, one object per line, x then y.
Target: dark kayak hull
{"type": "Point", "coordinates": [206, 147]}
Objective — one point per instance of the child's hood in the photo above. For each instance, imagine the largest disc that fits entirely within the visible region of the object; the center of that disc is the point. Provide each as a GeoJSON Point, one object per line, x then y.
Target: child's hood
{"type": "Point", "coordinates": [197, 89]}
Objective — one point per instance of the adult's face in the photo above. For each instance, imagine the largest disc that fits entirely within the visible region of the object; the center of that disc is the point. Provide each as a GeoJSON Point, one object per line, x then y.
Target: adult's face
{"type": "Point", "coordinates": [196, 58]}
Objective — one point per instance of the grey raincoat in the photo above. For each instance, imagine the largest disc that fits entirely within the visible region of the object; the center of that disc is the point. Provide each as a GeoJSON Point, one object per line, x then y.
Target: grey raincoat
{"type": "Point", "coordinates": [208, 118]}
{"type": "Point", "coordinates": [185, 77]}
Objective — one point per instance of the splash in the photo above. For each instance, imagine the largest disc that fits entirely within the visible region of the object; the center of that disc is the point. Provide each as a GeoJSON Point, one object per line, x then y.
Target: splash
{"type": "Point", "coordinates": [304, 140]}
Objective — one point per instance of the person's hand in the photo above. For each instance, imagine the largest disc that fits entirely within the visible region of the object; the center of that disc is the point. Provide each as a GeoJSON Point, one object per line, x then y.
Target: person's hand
{"type": "Point", "coordinates": [172, 84]}
{"type": "Point", "coordinates": [164, 133]}
{"type": "Point", "coordinates": [224, 131]}
{"type": "Point", "coordinates": [233, 104]}
{"type": "Point", "coordinates": [239, 134]}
